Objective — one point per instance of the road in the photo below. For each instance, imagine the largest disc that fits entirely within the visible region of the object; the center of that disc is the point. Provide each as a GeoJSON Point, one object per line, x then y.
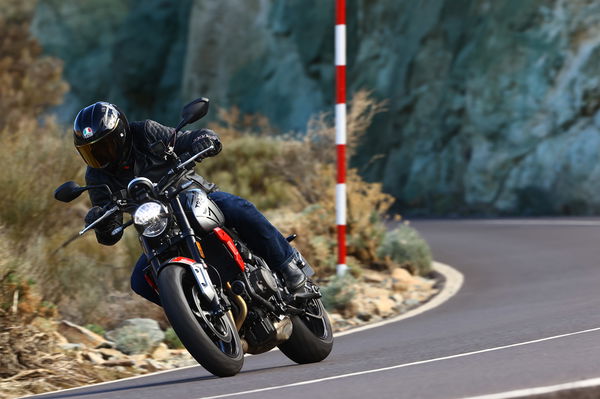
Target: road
{"type": "Point", "coordinates": [528, 315]}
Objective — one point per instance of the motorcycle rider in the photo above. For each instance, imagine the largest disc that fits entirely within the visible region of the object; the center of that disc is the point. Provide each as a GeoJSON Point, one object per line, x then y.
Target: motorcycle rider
{"type": "Point", "coordinates": [117, 151]}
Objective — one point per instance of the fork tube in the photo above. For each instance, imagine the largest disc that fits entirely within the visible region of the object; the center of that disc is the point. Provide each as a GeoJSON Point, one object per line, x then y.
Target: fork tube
{"type": "Point", "coordinates": [186, 230]}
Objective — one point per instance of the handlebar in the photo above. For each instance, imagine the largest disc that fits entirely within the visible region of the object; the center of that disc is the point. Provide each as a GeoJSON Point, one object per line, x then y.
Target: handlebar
{"type": "Point", "coordinates": [192, 159]}
{"type": "Point", "coordinates": [95, 222]}
{"type": "Point", "coordinates": [172, 172]}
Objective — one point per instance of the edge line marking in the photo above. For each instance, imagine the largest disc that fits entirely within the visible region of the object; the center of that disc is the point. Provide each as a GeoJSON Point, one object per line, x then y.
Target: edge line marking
{"type": "Point", "coordinates": [399, 366]}
{"type": "Point", "coordinates": [520, 393]}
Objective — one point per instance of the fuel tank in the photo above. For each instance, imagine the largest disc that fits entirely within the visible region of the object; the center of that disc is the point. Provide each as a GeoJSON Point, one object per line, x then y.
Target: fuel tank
{"type": "Point", "coordinates": [204, 215]}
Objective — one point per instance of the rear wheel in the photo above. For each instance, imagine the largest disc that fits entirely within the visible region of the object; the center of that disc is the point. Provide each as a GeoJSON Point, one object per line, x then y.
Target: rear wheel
{"type": "Point", "coordinates": [312, 336]}
{"type": "Point", "coordinates": [212, 340]}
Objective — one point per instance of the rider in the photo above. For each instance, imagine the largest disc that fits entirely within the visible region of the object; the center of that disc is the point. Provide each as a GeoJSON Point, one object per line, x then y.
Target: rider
{"type": "Point", "coordinates": [117, 151]}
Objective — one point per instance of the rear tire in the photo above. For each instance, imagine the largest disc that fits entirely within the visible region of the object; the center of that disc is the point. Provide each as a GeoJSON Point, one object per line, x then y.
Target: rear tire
{"type": "Point", "coordinates": [312, 336]}
{"type": "Point", "coordinates": [216, 346]}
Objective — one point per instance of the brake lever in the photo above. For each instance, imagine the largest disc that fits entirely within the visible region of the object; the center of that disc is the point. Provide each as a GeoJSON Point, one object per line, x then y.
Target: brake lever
{"type": "Point", "coordinates": [101, 218]}
{"type": "Point", "coordinates": [192, 159]}
{"type": "Point", "coordinates": [165, 180]}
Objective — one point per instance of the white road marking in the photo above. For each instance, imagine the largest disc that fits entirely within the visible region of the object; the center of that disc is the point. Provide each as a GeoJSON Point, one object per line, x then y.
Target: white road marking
{"type": "Point", "coordinates": [399, 366]}
{"type": "Point", "coordinates": [533, 222]}
{"type": "Point", "coordinates": [521, 393]}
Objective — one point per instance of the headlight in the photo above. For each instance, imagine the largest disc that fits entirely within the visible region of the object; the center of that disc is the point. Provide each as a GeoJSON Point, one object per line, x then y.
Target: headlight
{"type": "Point", "coordinates": [153, 217]}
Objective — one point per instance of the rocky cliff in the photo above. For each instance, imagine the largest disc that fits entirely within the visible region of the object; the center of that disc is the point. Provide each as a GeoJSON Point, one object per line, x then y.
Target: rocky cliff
{"type": "Point", "coordinates": [493, 105]}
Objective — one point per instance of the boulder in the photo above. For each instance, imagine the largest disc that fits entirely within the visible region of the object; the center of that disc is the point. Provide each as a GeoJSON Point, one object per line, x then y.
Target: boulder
{"type": "Point", "coordinates": [94, 357]}
{"type": "Point", "coordinates": [384, 306]}
{"type": "Point", "coordinates": [59, 338]}
{"type": "Point", "coordinates": [371, 276]}
{"type": "Point", "coordinates": [108, 353]}
{"type": "Point", "coordinates": [423, 284]}
{"type": "Point", "coordinates": [374, 292]}
{"type": "Point", "coordinates": [402, 280]}
{"type": "Point", "coordinates": [80, 335]}
{"type": "Point", "coordinates": [161, 352]}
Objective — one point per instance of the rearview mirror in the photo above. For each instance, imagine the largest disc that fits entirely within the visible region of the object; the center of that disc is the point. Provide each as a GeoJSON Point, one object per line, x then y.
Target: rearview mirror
{"type": "Point", "coordinates": [68, 191]}
{"type": "Point", "coordinates": [193, 111]}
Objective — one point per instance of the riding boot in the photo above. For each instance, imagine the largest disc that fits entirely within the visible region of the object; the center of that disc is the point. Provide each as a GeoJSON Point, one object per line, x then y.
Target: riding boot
{"type": "Point", "coordinates": [293, 277]}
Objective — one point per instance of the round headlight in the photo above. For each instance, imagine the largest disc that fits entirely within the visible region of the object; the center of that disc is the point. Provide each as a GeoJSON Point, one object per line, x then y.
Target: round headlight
{"type": "Point", "coordinates": [153, 217]}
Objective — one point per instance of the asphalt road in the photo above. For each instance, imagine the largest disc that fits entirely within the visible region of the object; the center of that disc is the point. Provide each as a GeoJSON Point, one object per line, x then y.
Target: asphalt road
{"type": "Point", "coordinates": [528, 315]}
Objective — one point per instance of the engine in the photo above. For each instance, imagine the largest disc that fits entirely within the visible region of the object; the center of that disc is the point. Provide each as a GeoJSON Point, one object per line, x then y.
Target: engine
{"type": "Point", "coordinates": [262, 330]}
{"type": "Point", "coordinates": [263, 282]}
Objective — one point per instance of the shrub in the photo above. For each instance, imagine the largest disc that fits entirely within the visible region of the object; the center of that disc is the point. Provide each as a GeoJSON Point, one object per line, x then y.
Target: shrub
{"type": "Point", "coordinates": [292, 178]}
{"type": "Point", "coordinates": [405, 247]}
{"type": "Point", "coordinates": [96, 328]}
{"type": "Point", "coordinates": [338, 293]}
{"type": "Point", "coordinates": [172, 340]}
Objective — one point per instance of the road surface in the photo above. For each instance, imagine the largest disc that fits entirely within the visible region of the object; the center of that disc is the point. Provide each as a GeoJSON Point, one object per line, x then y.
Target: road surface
{"type": "Point", "coordinates": [528, 315]}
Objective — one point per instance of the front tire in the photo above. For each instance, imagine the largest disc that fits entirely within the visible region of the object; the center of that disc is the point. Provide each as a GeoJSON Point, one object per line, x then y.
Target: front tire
{"type": "Point", "coordinates": [312, 336]}
{"type": "Point", "coordinates": [212, 340]}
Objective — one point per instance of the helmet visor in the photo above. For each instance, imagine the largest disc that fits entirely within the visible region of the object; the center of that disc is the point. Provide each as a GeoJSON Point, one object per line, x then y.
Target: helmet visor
{"type": "Point", "coordinates": [101, 153]}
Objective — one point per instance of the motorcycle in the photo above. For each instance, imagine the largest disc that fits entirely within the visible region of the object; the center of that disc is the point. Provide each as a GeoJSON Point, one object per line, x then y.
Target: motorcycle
{"type": "Point", "coordinates": [221, 299]}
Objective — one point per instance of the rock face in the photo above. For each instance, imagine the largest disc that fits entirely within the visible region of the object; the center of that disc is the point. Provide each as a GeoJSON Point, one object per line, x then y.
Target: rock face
{"type": "Point", "coordinates": [493, 106]}
{"type": "Point", "coordinates": [130, 53]}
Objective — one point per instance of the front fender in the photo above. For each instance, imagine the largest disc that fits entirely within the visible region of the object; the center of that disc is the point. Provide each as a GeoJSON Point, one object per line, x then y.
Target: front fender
{"type": "Point", "coordinates": [203, 281]}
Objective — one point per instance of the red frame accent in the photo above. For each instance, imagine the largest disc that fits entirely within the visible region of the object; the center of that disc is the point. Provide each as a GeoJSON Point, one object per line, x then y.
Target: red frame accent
{"type": "Point", "coordinates": [228, 241]}
{"type": "Point", "coordinates": [184, 260]}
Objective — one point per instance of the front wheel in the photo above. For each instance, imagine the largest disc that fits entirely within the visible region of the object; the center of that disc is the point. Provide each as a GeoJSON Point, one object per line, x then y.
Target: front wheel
{"type": "Point", "coordinates": [312, 336]}
{"type": "Point", "coordinates": [212, 340]}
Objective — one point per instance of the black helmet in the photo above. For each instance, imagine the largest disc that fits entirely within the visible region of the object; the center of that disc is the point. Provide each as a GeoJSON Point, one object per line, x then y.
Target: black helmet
{"type": "Point", "coordinates": [102, 135]}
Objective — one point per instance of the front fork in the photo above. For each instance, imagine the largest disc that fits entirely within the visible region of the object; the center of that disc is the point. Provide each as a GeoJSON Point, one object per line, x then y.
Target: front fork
{"type": "Point", "coordinates": [195, 263]}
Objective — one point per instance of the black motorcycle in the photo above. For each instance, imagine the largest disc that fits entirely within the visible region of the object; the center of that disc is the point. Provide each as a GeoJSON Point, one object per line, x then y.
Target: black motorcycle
{"type": "Point", "coordinates": [222, 300]}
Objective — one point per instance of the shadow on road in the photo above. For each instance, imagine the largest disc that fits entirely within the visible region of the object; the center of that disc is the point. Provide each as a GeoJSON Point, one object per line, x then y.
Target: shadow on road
{"type": "Point", "coordinates": [108, 389]}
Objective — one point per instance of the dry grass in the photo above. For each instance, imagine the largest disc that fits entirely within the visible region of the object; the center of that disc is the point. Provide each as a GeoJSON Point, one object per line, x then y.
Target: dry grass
{"type": "Point", "coordinates": [36, 155]}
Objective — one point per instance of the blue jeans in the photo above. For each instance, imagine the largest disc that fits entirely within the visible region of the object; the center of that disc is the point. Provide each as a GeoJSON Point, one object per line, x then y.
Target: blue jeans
{"type": "Point", "coordinates": [256, 231]}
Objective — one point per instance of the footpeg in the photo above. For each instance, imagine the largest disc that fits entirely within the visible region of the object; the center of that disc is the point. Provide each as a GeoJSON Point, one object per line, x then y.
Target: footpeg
{"type": "Point", "coordinates": [307, 296]}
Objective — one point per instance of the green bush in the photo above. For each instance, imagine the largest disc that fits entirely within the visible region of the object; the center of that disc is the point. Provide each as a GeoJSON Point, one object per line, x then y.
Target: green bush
{"type": "Point", "coordinates": [98, 329]}
{"type": "Point", "coordinates": [405, 247]}
{"type": "Point", "coordinates": [172, 340]}
{"type": "Point", "coordinates": [338, 293]}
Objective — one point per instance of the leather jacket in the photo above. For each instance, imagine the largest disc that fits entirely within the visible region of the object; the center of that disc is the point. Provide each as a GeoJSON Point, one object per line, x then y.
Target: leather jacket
{"type": "Point", "coordinates": [146, 159]}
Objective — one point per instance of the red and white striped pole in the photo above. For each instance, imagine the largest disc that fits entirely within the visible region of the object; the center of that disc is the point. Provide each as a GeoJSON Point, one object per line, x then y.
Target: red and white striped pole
{"type": "Point", "coordinates": [340, 132]}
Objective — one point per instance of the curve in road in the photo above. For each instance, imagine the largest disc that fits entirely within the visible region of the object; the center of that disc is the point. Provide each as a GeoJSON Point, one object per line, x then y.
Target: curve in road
{"type": "Point", "coordinates": [525, 317]}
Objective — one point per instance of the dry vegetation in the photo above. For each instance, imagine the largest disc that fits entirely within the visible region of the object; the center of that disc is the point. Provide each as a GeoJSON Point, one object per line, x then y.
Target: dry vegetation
{"type": "Point", "coordinates": [290, 177]}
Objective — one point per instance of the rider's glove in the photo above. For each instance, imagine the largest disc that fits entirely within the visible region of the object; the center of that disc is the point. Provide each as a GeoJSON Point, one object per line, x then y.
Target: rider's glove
{"type": "Point", "coordinates": [94, 214]}
{"type": "Point", "coordinates": [203, 141]}
{"type": "Point", "coordinates": [106, 226]}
